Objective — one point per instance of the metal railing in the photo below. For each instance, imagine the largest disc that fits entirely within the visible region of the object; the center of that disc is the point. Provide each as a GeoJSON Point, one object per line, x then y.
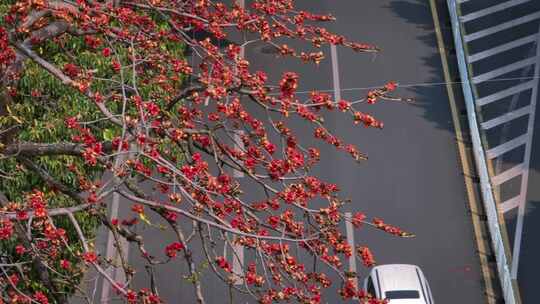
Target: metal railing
{"type": "Point", "coordinates": [507, 284]}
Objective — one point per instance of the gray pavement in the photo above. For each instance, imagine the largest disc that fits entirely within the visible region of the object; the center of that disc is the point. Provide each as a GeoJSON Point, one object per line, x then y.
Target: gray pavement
{"type": "Point", "coordinates": [412, 179]}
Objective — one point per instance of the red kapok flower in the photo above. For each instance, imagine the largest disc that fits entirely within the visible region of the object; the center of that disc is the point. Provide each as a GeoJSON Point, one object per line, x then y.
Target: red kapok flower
{"type": "Point", "coordinates": [390, 86]}
{"type": "Point", "coordinates": [172, 249]}
{"type": "Point", "coordinates": [116, 66]}
{"type": "Point", "coordinates": [71, 70]}
{"type": "Point", "coordinates": [288, 84]}
{"type": "Point", "coordinates": [20, 249]}
{"type": "Point", "coordinates": [366, 256]}
{"type": "Point", "coordinates": [131, 296]}
{"type": "Point", "coordinates": [41, 298]}
{"type": "Point", "coordinates": [106, 52]}
{"type": "Point", "coordinates": [6, 229]}
{"type": "Point", "coordinates": [138, 209]}
{"type": "Point", "coordinates": [65, 264]}
{"type": "Point", "coordinates": [344, 105]}
{"type": "Point", "coordinates": [358, 218]}
{"type": "Point", "coordinates": [223, 264]}
{"type": "Point", "coordinates": [14, 279]}
{"type": "Point", "coordinates": [89, 257]}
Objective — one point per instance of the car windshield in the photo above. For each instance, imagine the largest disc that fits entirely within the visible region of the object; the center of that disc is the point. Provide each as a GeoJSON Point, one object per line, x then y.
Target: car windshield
{"type": "Point", "coordinates": [402, 294]}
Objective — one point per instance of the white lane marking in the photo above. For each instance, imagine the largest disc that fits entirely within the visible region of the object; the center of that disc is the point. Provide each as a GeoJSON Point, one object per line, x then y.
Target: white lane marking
{"type": "Point", "coordinates": [350, 239]}
{"type": "Point", "coordinates": [111, 251]}
{"type": "Point", "coordinates": [238, 144]}
{"type": "Point", "coordinates": [238, 250]}
{"type": "Point", "coordinates": [238, 263]}
{"type": "Point", "coordinates": [335, 72]}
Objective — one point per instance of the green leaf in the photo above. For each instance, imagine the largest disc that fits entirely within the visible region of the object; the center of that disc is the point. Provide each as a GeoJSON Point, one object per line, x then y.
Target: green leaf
{"type": "Point", "coordinates": [108, 134]}
{"type": "Point", "coordinates": [144, 219]}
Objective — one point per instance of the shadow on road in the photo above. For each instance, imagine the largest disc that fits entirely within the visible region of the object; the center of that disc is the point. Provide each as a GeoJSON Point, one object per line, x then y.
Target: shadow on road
{"type": "Point", "coordinates": [413, 12]}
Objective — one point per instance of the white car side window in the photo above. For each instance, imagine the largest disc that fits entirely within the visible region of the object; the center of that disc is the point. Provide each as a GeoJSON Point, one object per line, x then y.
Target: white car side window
{"type": "Point", "coordinates": [371, 287]}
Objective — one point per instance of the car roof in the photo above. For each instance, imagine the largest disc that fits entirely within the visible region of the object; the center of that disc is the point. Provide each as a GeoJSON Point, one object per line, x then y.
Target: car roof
{"type": "Point", "coordinates": [399, 277]}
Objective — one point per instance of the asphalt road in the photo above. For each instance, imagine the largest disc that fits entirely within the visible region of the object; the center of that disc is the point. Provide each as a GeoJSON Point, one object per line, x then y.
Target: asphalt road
{"type": "Point", "coordinates": [413, 177]}
{"type": "Point", "coordinates": [528, 266]}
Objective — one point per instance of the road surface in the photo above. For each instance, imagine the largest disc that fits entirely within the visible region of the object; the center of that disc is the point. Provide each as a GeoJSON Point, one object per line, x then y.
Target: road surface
{"type": "Point", "coordinates": [413, 177]}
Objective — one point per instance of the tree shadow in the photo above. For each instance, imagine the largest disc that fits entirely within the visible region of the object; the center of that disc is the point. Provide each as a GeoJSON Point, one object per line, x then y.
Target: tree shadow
{"type": "Point", "coordinates": [408, 11]}
{"type": "Point", "coordinates": [418, 13]}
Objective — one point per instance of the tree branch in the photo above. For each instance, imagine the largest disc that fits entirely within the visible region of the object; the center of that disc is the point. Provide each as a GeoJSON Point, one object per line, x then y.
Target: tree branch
{"type": "Point", "coordinates": [38, 263]}
{"type": "Point", "coordinates": [41, 149]}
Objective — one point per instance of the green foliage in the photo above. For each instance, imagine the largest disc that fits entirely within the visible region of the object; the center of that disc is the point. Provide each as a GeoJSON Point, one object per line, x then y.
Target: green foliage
{"type": "Point", "coordinates": [41, 119]}
{"type": "Point", "coordinates": [40, 109]}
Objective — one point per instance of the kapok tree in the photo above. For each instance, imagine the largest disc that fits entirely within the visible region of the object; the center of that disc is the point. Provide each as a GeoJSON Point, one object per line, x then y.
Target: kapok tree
{"type": "Point", "coordinates": [94, 88]}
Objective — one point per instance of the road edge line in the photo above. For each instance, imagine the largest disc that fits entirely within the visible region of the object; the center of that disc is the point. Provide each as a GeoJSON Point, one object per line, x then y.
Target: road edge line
{"type": "Point", "coordinates": [465, 161]}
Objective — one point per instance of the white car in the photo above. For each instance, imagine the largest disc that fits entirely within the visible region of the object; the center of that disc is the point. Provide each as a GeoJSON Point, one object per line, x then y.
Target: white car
{"type": "Point", "coordinates": [399, 283]}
